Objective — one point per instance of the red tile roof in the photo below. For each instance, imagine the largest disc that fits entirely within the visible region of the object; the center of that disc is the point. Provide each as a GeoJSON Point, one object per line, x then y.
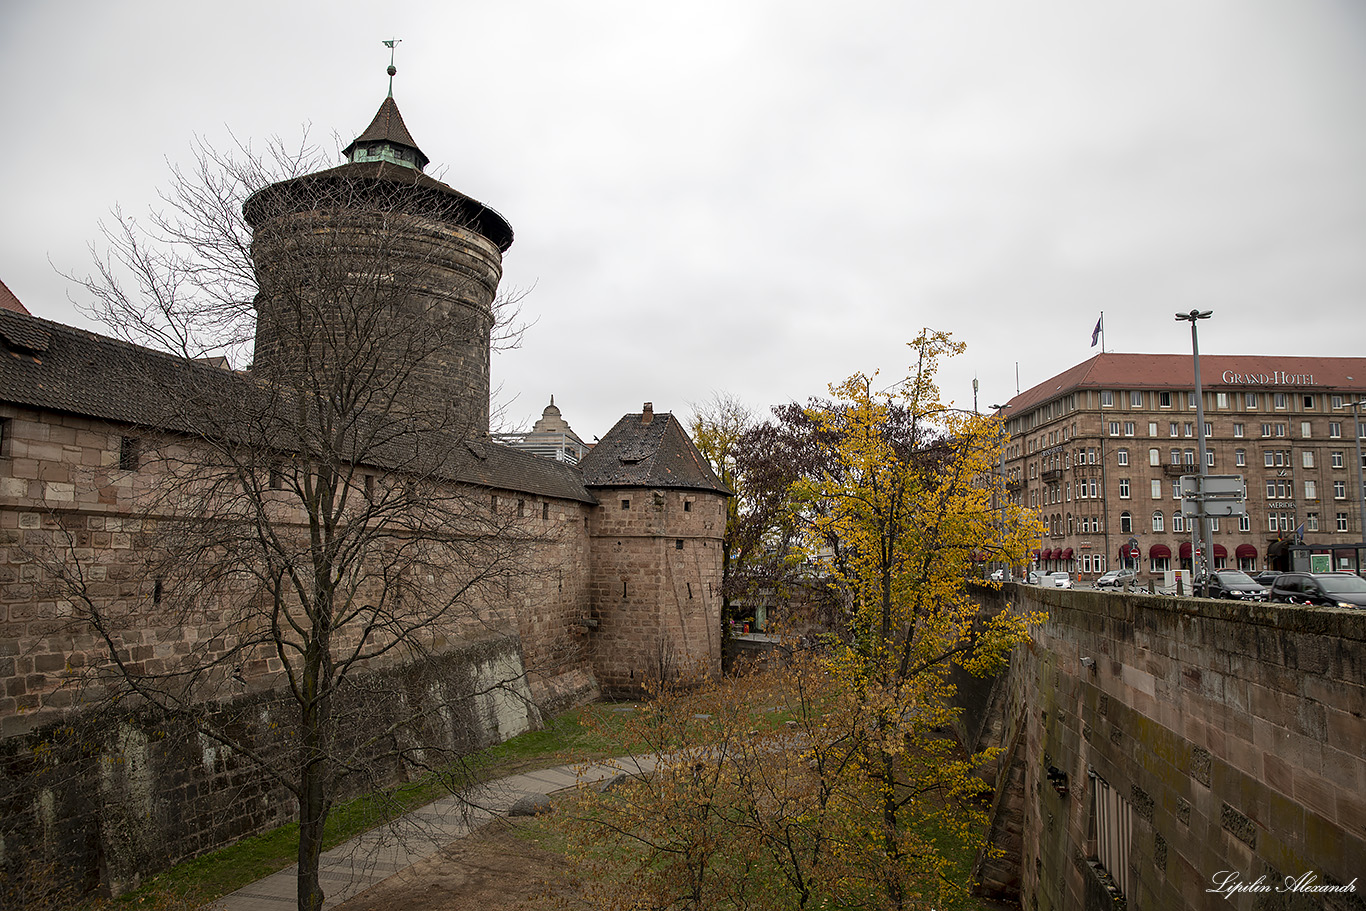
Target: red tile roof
{"type": "Point", "coordinates": [1217, 371]}
{"type": "Point", "coordinates": [9, 302]}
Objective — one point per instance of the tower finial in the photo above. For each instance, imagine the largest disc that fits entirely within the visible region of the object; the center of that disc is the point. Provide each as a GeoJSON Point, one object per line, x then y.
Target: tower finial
{"type": "Point", "coordinates": [392, 69]}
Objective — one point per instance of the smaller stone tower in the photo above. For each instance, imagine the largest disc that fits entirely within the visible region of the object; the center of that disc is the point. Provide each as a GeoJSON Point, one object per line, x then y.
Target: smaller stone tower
{"type": "Point", "coordinates": [378, 270]}
{"type": "Point", "coordinates": [655, 585]}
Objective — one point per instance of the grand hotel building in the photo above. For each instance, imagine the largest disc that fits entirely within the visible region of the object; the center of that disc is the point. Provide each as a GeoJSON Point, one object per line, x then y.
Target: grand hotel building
{"type": "Point", "coordinates": [1098, 451]}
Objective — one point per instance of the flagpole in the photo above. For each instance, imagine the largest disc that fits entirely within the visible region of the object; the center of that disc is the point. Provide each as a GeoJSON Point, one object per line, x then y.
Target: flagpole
{"type": "Point", "coordinates": [1102, 332]}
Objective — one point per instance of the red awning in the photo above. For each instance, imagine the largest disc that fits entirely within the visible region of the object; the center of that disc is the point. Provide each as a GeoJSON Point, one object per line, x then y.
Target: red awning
{"type": "Point", "coordinates": [1046, 554]}
{"type": "Point", "coordinates": [1130, 552]}
{"type": "Point", "coordinates": [1159, 551]}
{"type": "Point", "coordinates": [1220, 551]}
{"type": "Point", "coordinates": [1245, 551]}
{"type": "Point", "coordinates": [1186, 550]}
{"type": "Point", "coordinates": [1066, 555]}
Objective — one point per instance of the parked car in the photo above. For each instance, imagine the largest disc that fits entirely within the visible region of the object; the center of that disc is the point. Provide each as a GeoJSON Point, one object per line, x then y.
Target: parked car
{"type": "Point", "coordinates": [1325, 589]}
{"type": "Point", "coordinates": [1117, 578]}
{"type": "Point", "coordinates": [1033, 578]}
{"type": "Point", "coordinates": [998, 575]}
{"type": "Point", "coordinates": [1056, 580]}
{"type": "Point", "coordinates": [1232, 583]}
{"type": "Point", "coordinates": [1266, 577]}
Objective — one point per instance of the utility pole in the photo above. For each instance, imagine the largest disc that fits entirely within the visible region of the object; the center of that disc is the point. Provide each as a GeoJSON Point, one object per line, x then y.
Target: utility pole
{"type": "Point", "coordinates": [1200, 533]}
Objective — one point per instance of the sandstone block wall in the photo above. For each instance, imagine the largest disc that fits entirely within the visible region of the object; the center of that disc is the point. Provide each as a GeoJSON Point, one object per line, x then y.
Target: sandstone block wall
{"type": "Point", "coordinates": [656, 585]}
{"type": "Point", "coordinates": [1234, 733]}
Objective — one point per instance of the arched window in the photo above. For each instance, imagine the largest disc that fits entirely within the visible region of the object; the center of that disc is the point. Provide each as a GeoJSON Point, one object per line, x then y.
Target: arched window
{"type": "Point", "coordinates": [1069, 523]}
{"type": "Point", "coordinates": [1157, 520]}
{"type": "Point", "coordinates": [1154, 457]}
{"type": "Point", "coordinates": [1126, 523]}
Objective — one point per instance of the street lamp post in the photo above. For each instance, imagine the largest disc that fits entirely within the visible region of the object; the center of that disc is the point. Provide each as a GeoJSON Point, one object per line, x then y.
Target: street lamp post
{"type": "Point", "coordinates": [1361, 489]}
{"type": "Point", "coordinates": [1199, 529]}
{"type": "Point", "coordinates": [1001, 472]}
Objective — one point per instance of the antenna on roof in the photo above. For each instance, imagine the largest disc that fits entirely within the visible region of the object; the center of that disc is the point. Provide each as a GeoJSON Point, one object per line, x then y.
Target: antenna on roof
{"type": "Point", "coordinates": [392, 69]}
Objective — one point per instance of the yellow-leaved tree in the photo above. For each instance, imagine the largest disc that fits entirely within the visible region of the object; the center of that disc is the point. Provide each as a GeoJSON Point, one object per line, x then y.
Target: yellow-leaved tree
{"type": "Point", "coordinates": [858, 795]}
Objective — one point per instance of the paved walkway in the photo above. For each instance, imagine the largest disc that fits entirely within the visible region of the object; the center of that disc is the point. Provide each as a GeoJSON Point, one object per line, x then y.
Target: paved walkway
{"type": "Point", "coordinates": [351, 868]}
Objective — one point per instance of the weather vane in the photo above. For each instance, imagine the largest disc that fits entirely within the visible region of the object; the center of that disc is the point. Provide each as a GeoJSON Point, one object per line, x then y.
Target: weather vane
{"type": "Point", "coordinates": [390, 44]}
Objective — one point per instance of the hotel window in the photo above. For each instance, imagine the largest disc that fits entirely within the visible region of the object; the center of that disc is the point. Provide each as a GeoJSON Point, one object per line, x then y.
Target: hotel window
{"type": "Point", "coordinates": [1311, 490]}
{"type": "Point", "coordinates": [1164, 400]}
{"type": "Point", "coordinates": [1304, 429]}
{"type": "Point", "coordinates": [1266, 430]}
{"type": "Point", "coordinates": [1342, 521]}
{"type": "Point", "coordinates": [1191, 400]}
{"type": "Point", "coordinates": [1122, 457]}
{"type": "Point", "coordinates": [1209, 429]}
{"type": "Point", "coordinates": [1128, 428]}
{"type": "Point", "coordinates": [1221, 399]}
{"type": "Point", "coordinates": [1107, 398]}
{"type": "Point", "coordinates": [1126, 523]}
{"type": "Point", "coordinates": [1157, 521]}
{"type": "Point", "coordinates": [1178, 522]}
{"type": "Point", "coordinates": [1188, 457]}
{"type": "Point", "coordinates": [1237, 430]}
{"type": "Point", "coordinates": [1114, 428]}
{"type": "Point", "coordinates": [1161, 564]}
{"type": "Point", "coordinates": [1135, 400]}
{"type": "Point", "coordinates": [1157, 489]}
{"type": "Point", "coordinates": [1240, 457]}
{"type": "Point", "coordinates": [1091, 455]}
{"type": "Point", "coordinates": [1152, 428]}
{"type": "Point", "coordinates": [1337, 460]}
{"type": "Point", "coordinates": [1173, 429]}
{"type": "Point", "coordinates": [1244, 522]}
{"type": "Point", "coordinates": [1189, 429]}
{"type": "Point", "coordinates": [1271, 490]}
{"type": "Point", "coordinates": [1307, 458]}
{"type": "Point", "coordinates": [1209, 458]}
{"type": "Point", "coordinates": [1308, 402]}
{"type": "Point", "coordinates": [1334, 429]}
{"type": "Point", "coordinates": [1339, 490]}
{"type": "Point", "coordinates": [1176, 457]}
{"type": "Point", "coordinates": [1337, 401]}
{"type": "Point", "coordinates": [1176, 490]}
{"type": "Point", "coordinates": [1214, 526]}
{"type": "Point", "coordinates": [1154, 457]}
{"type": "Point", "coordinates": [1250, 401]}
{"type": "Point", "coordinates": [1311, 521]}
{"type": "Point", "coordinates": [1279, 400]}
{"type": "Point", "coordinates": [1271, 521]}
{"type": "Point", "coordinates": [1124, 488]}
{"type": "Point", "coordinates": [1280, 430]}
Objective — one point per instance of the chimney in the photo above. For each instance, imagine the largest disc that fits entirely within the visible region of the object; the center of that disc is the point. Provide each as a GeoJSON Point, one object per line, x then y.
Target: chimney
{"type": "Point", "coordinates": [647, 413]}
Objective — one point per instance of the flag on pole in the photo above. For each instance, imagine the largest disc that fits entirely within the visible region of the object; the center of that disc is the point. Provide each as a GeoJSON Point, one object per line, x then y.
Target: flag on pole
{"type": "Point", "coordinates": [1095, 333]}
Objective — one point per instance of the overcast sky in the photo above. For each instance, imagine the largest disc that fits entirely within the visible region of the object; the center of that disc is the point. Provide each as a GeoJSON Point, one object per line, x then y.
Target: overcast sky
{"type": "Point", "coordinates": [761, 198]}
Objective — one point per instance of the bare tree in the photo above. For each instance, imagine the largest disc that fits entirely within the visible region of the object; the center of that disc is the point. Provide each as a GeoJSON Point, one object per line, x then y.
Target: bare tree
{"type": "Point", "coordinates": [303, 524]}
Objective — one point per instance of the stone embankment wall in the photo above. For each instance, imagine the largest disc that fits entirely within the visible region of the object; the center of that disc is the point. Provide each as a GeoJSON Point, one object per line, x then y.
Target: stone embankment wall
{"type": "Point", "coordinates": [99, 800]}
{"type": "Point", "coordinates": [1233, 736]}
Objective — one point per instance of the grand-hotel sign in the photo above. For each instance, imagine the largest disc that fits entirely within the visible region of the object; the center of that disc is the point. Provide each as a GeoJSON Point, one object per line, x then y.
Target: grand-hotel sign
{"type": "Point", "coordinates": [1274, 378]}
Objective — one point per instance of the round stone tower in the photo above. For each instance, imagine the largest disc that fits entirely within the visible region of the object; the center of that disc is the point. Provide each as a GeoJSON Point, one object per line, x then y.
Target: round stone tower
{"type": "Point", "coordinates": [376, 282]}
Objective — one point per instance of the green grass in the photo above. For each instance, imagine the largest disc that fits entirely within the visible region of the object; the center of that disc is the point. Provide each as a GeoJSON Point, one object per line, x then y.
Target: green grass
{"type": "Point", "coordinates": [581, 734]}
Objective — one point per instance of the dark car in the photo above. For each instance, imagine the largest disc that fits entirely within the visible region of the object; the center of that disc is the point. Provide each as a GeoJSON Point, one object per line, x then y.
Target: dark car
{"type": "Point", "coordinates": [1232, 583]}
{"type": "Point", "coordinates": [1325, 589]}
{"type": "Point", "coordinates": [1266, 577]}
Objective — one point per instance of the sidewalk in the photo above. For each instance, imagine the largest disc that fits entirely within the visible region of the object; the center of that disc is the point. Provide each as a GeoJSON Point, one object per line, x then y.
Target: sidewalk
{"type": "Point", "coordinates": [351, 868]}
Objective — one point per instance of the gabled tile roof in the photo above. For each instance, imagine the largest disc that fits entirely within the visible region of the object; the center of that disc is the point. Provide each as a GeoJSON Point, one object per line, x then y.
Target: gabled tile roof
{"type": "Point", "coordinates": [51, 367]}
{"type": "Point", "coordinates": [657, 453]}
{"type": "Point", "coordinates": [1121, 371]}
{"type": "Point", "coordinates": [9, 302]}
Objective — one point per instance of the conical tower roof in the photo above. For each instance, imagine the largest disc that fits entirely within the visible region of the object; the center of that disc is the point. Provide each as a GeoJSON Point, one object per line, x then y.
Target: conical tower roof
{"type": "Point", "coordinates": [386, 130]}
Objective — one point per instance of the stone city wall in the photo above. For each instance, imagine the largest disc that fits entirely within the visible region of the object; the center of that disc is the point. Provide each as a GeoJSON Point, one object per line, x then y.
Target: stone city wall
{"type": "Point", "coordinates": [1232, 734]}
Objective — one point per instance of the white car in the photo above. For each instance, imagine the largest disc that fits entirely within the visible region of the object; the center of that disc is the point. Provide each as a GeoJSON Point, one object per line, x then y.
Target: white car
{"type": "Point", "coordinates": [1056, 580]}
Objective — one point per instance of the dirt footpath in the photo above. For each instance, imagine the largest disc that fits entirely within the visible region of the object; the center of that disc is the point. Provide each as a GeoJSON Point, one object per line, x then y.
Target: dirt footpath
{"type": "Point", "coordinates": [490, 870]}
